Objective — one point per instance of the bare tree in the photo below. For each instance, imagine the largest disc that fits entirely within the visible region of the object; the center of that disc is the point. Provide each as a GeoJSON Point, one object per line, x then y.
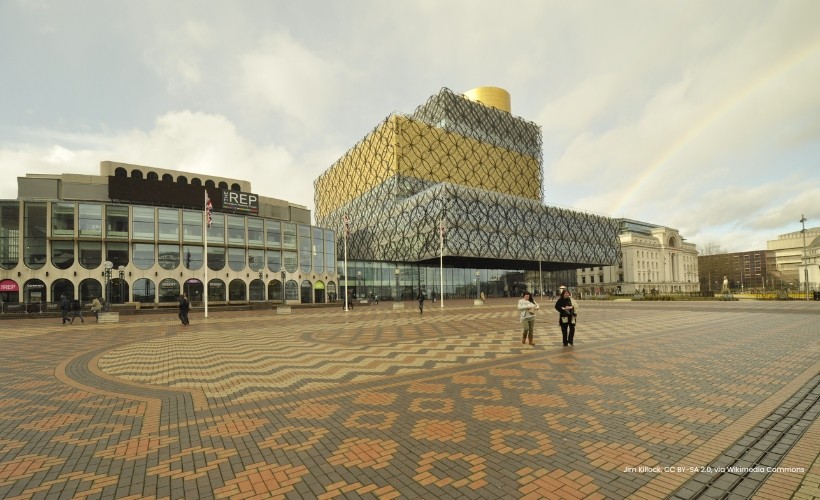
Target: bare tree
{"type": "Point", "coordinates": [712, 248]}
{"type": "Point", "coordinates": [707, 267]}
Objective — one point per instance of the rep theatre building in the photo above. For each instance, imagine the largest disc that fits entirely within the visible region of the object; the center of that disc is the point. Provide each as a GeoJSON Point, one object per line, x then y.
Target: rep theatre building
{"type": "Point", "coordinates": [137, 234]}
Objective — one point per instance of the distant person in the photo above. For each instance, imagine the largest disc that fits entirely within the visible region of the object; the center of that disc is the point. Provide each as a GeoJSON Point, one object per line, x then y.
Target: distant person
{"type": "Point", "coordinates": [65, 306]}
{"type": "Point", "coordinates": [421, 303]}
{"type": "Point", "coordinates": [104, 304]}
{"type": "Point", "coordinates": [77, 311]}
{"type": "Point", "coordinates": [96, 307]}
{"type": "Point", "coordinates": [566, 319]}
{"type": "Point", "coordinates": [526, 309]}
{"type": "Point", "coordinates": [184, 307]}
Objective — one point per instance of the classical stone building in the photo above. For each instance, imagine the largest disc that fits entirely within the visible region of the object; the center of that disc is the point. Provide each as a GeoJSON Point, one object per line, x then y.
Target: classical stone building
{"type": "Point", "coordinates": [653, 258]}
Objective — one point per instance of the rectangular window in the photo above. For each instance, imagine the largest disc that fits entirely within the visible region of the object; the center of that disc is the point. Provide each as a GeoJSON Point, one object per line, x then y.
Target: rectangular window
{"type": "Point", "coordinates": [318, 253]}
{"type": "Point", "coordinates": [90, 219]}
{"type": "Point", "coordinates": [236, 230]}
{"type": "Point", "coordinates": [62, 219]}
{"type": "Point", "coordinates": [117, 253]}
{"type": "Point", "coordinates": [143, 228]}
{"type": "Point", "coordinates": [216, 233]}
{"type": "Point", "coordinates": [274, 260]}
{"type": "Point", "coordinates": [34, 237]}
{"type": "Point", "coordinates": [255, 232]}
{"type": "Point", "coordinates": [9, 234]}
{"type": "Point", "coordinates": [191, 226]}
{"type": "Point", "coordinates": [116, 221]}
{"type": "Point", "coordinates": [305, 249]}
{"type": "Point", "coordinates": [290, 261]}
{"type": "Point", "coordinates": [168, 224]}
{"type": "Point", "coordinates": [330, 251]}
{"type": "Point", "coordinates": [274, 229]}
{"type": "Point", "coordinates": [288, 235]}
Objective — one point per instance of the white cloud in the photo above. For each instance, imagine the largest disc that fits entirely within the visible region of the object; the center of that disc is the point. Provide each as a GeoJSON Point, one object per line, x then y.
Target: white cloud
{"type": "Point", "coordinates": [183, 140]}
{"type": "Point", "coordinates": [177, 54]}
{"type": "Point", "coordinates": [283, 75]}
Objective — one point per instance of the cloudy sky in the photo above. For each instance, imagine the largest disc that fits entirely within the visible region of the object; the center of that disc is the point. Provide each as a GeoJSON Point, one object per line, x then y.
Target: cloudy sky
{"type": "Point", "coordinates": [700, 115]}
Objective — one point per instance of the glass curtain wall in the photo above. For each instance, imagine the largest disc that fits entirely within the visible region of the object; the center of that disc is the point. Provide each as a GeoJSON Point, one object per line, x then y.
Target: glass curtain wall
{"type": "Point", "coordinates": [34, 236]}
{"type": "Point", "coordinates": [9, 234]}
{"type": "Point", "coordinates": [379, 279]}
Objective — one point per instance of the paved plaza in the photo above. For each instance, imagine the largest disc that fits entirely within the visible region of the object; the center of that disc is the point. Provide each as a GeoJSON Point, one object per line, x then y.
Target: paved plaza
{"type": "Point", "coordinates": [655, 400]}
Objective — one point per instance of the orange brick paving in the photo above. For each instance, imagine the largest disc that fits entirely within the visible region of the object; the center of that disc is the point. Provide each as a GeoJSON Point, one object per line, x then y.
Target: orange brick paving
{"type": "Point", "coordinates": [376, 403]}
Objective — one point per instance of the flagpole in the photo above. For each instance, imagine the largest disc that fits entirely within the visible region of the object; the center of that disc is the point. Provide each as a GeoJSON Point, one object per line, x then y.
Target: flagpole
{"type": "Point", "coordinates": [441, 258]}
{"type": "Point", "coordinates": [347, 233]}
{"type": "Point", "coordinates": [205, 235]}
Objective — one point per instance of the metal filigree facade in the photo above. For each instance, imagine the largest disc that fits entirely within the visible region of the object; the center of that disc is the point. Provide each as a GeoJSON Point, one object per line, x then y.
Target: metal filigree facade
{"type": "Point", "coordinates": [477, 169]}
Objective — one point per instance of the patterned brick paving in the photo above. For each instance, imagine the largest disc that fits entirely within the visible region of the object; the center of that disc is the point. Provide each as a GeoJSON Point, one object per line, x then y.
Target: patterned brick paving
{"type": "Point", "coordinates": [376, 403]}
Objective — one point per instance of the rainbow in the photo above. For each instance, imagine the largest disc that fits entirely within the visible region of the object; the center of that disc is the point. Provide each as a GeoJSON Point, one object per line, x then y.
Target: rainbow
{"type": "Point", "coordinates": [657, 165]}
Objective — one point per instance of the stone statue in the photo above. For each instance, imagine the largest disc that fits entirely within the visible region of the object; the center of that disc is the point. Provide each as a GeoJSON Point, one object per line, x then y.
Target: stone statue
{"type": "Point", "coordinates": [725, 288]}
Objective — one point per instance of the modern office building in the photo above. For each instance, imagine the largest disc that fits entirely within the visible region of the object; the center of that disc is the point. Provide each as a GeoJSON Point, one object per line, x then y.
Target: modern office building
{"type": "Point", "coordinates": [654, 259]}
{"type": "Point", "coordinates": [456, 185]}
{"type": "Point", "coordinates": [136, 234]}
{"type": "Point", "coordinates": [795, 257]}
{"type": "Point", "coordinates": [745, 271]}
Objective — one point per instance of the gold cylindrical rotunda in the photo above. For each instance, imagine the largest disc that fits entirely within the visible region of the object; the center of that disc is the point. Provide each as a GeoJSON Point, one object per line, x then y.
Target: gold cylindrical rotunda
{"type": "Point", "coordinates": [494, 97]}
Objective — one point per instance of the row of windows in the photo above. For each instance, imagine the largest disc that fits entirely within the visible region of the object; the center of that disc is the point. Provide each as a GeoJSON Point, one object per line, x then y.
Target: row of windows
{"type": "Point", "coordinates": [314, 246]}
{"type": "Point", "coordinates": [89, 255]}
{"type": "Point", "coordinates": [145, 290]}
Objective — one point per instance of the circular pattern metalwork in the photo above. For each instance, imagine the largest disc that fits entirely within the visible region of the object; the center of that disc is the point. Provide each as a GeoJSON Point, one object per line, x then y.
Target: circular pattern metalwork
{"type": "Point", "coordinates": [477, 169]}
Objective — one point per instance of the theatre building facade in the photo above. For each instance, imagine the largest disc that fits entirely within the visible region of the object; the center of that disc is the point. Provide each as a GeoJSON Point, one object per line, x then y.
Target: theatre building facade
{"type": "Point", "coordinates": [136, 234]}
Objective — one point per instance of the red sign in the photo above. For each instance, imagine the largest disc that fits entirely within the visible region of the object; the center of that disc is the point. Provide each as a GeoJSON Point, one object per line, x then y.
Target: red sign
{"type": "Point", "coordinates": [9, 286]}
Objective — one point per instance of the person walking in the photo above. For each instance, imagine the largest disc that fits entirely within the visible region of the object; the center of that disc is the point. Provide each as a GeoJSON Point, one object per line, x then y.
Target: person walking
{"type": "Point", "coordinates": [96, 307]}
{"type": "Point", "coordinates": [421, 302]}
{"type": "Point", "coordinates": [566, 319]}
{"type": "Point", "coordinates": [526, 309]}
{"type": "Point", "coordinates": [65, 306]}
{"type": "Point", "coordinates": [77, 311]}
{"type": "Point", "coordinates": [184, 306]}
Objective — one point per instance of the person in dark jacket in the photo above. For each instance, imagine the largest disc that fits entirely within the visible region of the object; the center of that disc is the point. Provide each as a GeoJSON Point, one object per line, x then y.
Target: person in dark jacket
{"type": "Point", "coordinates": [65, 306]}
{"type": "Point", "coordinates": [77, 310]}
{"type": "Point", "coordinates": [566, 320]}
{"type": "Point", "coordinates": [421, 302]}
{"type": "Point", "coordinates": [184, 306]}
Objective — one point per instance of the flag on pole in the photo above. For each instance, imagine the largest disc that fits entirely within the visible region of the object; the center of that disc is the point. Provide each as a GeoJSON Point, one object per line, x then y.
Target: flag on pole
{"type": "Point", "coordinates": [208, 210]}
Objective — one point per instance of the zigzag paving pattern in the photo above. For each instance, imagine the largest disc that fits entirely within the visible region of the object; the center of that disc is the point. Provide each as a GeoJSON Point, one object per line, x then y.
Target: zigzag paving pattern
{"type": "Point", "coordinates": [381, 404]}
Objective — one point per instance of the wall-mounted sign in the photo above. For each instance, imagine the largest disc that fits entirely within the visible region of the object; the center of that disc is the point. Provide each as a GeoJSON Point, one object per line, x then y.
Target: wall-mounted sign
{"type": "Point", "coordinates": [241, 203]}
{"type": "Point", "coordinates": [9, 286]}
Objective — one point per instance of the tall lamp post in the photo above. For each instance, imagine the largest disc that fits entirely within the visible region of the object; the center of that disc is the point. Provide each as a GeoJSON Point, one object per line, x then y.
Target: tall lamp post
{"type": "Point", "coordinates": [121, 269]}
{"type": "Point", "coordinates": [805, 264]}
{"type": "Point", "coordinates": [358, 278]}
{"type": "Point", "coordinates": [108, 265]}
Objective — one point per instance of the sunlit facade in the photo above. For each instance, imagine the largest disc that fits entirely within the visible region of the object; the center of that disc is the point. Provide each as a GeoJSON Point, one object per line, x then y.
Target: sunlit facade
{"type": "Point", "coordinates": [655, 259]}
{"type": "Point", "coordinates": [148, 223]}
{"type": "Point", "coordinates": [461, 165]}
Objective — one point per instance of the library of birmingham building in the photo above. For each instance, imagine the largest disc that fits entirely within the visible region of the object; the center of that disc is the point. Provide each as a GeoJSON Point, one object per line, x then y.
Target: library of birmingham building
{"type": "Point", "coordinates": [461, 163]}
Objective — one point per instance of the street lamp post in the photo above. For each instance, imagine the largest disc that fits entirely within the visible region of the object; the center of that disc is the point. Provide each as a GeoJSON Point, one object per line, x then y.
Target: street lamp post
{"type": "Point", "coordinates": [358, 277]}
{"type": "Point", "coordinates": [121, 269]}
{"type": "Point", "coordinates": [805, 264]}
